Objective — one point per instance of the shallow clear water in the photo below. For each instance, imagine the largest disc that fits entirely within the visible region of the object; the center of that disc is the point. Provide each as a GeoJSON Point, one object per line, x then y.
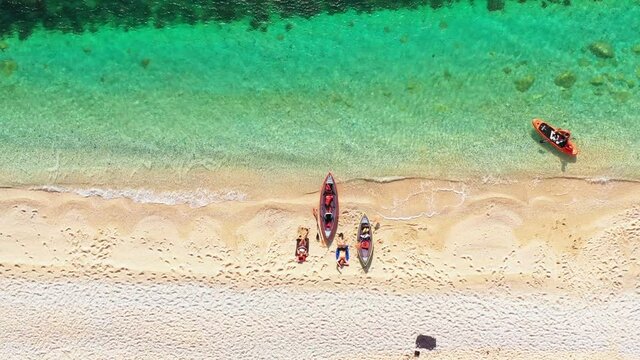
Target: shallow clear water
{"type": "Point", "coordinates": [403, 92]}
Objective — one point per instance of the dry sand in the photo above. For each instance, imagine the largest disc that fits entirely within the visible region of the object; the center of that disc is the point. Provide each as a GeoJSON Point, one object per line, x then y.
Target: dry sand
{"type": "Point", "coordinates": [529, 269]}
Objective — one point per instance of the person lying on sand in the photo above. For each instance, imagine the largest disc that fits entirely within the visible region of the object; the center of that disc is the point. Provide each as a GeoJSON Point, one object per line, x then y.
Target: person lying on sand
{"type": "Point", "coordinates": [302, 254]}
{"type": "Point", "coordinates": [302, 244]}
{"type": "Point", "coordinates": [342, 252]}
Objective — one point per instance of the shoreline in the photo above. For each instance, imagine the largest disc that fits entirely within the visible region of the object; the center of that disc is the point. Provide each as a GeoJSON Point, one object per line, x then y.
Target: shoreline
{"type": "Point", "coordinates": [200, 177]}
{"type": "Point", "coordinates": [491, 270]}
{"type": "Point", "coordinates": [247, 185]}
{"type": "Point", "coordinates": [448, 235]}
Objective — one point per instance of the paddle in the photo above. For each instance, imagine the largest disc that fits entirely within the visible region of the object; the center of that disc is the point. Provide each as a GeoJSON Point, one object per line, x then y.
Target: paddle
{"type": "Point", "coordinates": [315, 215]}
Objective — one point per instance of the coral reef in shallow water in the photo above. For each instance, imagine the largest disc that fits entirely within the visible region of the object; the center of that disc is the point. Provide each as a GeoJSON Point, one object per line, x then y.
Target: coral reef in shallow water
{"type": "Point", "coordinates": [8, 67]}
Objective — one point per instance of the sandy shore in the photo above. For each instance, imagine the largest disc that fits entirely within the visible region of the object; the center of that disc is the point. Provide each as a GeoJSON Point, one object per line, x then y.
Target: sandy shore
{"type": "Point", "coordinates": [97, 319]}
{"type": "Point", "coordinates": [565, 243]}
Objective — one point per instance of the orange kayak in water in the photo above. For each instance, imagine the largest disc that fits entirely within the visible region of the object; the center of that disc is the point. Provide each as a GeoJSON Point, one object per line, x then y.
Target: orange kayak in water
{"type": "Point", "coordinates": [558, 138]}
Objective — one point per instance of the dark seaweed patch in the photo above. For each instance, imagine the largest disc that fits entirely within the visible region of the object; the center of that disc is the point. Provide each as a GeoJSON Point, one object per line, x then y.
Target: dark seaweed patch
{"type": "Point", "coordinates": [22, 17]}
{"type": "Point", "coordinates": [495, 5]}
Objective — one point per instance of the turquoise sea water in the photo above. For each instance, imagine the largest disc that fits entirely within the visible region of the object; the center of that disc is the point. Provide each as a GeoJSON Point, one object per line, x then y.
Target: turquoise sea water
{"type": "Point", "coordinates": [393, 92]}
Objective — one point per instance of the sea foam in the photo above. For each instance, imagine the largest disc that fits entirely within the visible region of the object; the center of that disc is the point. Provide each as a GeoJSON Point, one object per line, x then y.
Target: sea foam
{"type": "Point", "coordinates": [196, 198]}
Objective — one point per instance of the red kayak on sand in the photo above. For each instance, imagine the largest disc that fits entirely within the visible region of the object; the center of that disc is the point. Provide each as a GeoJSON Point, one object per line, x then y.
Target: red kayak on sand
{"type": "Point", "coordinates": [328, 210]}
{"type": "Point", "coordinates": [558, 138]}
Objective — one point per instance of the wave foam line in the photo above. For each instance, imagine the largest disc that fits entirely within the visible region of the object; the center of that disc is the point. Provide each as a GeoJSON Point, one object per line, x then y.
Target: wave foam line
{"type": "Point", "coordinates": [430, 202]}
{"type": "Point", "coordinates": [198, 198]}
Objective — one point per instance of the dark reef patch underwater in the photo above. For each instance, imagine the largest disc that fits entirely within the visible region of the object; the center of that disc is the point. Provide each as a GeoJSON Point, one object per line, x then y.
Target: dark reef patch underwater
{"type": "Point", "coordinates": [24, 16]}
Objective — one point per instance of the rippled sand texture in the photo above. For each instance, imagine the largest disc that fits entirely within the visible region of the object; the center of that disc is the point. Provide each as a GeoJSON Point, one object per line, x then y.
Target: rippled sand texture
{"type": "Point", "coordinates": [482, 267]}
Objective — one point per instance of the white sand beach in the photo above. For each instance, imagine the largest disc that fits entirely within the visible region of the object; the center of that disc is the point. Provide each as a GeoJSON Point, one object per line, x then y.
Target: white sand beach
{"type": "Point", "coordinates": [528, 269]}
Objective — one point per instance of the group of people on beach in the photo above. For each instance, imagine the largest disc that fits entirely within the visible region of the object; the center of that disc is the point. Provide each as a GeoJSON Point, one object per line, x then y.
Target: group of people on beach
{"type": "Point", "coordinates": [327, 223]}
{"type": "Point", "coordinates": [342, 248]}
